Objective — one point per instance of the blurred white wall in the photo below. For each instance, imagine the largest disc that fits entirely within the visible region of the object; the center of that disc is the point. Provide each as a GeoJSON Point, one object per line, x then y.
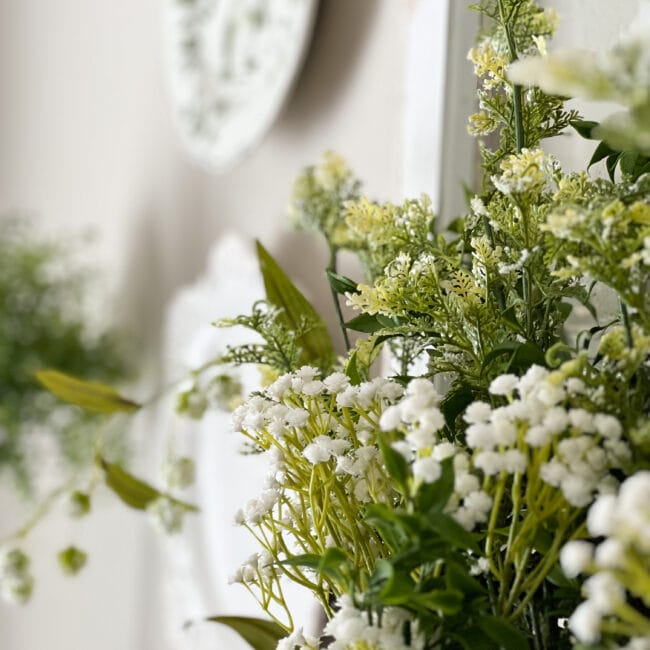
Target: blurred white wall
{"type": "Point", "coordinates": [86, 140]}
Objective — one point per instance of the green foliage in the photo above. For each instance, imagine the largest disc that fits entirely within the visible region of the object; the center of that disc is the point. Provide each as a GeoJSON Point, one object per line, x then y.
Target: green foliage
{"type": "Point", "coordinates": [43, 325]}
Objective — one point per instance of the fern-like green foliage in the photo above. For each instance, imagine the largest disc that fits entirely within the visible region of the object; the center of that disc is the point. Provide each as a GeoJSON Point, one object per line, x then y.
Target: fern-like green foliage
{"type": "Point", "coordinates": [280, 348]}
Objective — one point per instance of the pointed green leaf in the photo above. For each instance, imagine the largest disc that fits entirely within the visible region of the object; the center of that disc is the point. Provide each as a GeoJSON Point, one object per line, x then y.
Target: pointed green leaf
{"type": "Point", "coordinates": [585, 128]}
{"type": "Point", "coordinates": [365, 323]}
{"type": "Point", "coordinates": [603, 150]}
{"type": "Point", "coordinates": [281, 292]}
{"type": "Point", "coordinates": [352, 370]}
{"type": "Point", "coordinates": [131, 490]}
{"type": "Point", "coordinates": [341, 284]}
{"type": "Point", "coordinates": [258, 633]}
{"type": "Point", "coordinates": [89, 395]}
{"type": "Point", "coordinates": [309, 560]}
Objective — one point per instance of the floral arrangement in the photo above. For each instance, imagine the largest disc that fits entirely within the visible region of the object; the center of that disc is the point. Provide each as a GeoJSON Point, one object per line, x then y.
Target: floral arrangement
{"type": "Point", "coordinates": [492, 492]}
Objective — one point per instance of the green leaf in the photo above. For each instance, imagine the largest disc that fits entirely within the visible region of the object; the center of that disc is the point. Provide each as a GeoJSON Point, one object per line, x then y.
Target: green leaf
{"type": "Point", "coordinates": [633, 164]}
{"type": "Point", "coordinates": [526, 355]}
{"type": "Point", "coordinates": [341, 284]}
{"type": "Point", "coordinates": [610, 164]}
{"type": "Point", "coordinates": [603, 150]}
{"type": "Point", "coordinates": [131, 490]}
{"type": "Point", "coordinates": [396, 465]}
{"type": "Point", "coordinates": [451, 531]}
{"type": "Point", "coordinates": [395, 528]}
{"type": "Point", "coordinates": [457, 577]}
{"type": "Point", "coordinates": [506, 635]}
{"type": "Point", "coordinates": [331, 562]}
{"type": "Point", "coordinates": [352, 370]}
{"type": "Point", "coordinates": [509, 318]}
{"type": "Point", "coordinates": [309, 560]}
{"type": "Point", "coordinates": [585, 128]}
{"type": "Point", "coordinates": [456, 401]}
{"type": "Point", "coordinates": [365, 323]}
{"type": "Point", "coordinates": [433, 497]}
{"type": "Point", "coordinates": [448, 601]}
{"type": "Point", "coordinates": [258, 633]}
{"type": "Point", "coordinates": [89, 395]}
{"type": "Point", "coordinates": [281, 292]}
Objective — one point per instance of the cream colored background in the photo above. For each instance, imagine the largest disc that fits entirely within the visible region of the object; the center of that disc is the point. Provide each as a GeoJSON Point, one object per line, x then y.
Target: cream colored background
{"type": "Point", "coordinates": [86, 140]}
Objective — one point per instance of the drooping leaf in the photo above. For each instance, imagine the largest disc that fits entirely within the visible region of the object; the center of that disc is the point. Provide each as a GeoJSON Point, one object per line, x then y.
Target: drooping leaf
{"type": "Point", "coordinates": [341, 284]}
{"type": "Point", "coordinates": [89, 395]}
{"type": "Point", "coordinates": [258, 633]}
{"type": "Point", "coordinates": [131, 490]}
{"type": "Point", "coordinates": [281, 292]}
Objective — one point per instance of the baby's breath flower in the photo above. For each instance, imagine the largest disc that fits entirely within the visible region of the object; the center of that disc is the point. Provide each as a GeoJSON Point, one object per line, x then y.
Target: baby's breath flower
{"type": "Point", "coordinates": [575, 557]}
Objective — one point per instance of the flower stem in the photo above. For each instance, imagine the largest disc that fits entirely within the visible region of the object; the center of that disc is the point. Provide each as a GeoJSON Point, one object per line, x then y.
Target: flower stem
{"type": "Point", "coordinates": [337, 305]}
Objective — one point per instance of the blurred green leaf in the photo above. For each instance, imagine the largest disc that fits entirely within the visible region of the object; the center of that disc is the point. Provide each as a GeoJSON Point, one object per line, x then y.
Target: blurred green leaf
{"type": "Point", "coordinates": [131, 490]}
{"type": "Point", "coordinates": [503, 633]}
{"type": "Point", "coordinates": [258, 633]}
{"type": "Point", "coordinates": [89, 395]}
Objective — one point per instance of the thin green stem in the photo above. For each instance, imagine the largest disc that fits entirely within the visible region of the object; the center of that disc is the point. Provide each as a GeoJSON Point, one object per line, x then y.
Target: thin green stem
{"type": "Point", "coordinates": [625, 318]}
{"type": "Point", "coordinates": [516, 89]}
{"type": "Point", "coordinates": [335, 298]}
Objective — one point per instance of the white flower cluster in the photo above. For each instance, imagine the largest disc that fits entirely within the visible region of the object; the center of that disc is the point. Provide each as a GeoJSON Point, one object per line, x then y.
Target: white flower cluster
{"type": "Point", "coordinates": [528, 171]}
{"type": "Point", "coordinates": [580, 447]}
{"type": "Point", "coordinates": [417, 415]}
{"type": "Point", "coordinates": [576, 449]}
{"type": "Point", "coordinates": [351, 629]}
{"type": "Point", "coordinates": [308, 426]}
{"type": "Point", "coordinates": [618, 564]}
{"type": "Point", "coordinates": [258, 566]}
